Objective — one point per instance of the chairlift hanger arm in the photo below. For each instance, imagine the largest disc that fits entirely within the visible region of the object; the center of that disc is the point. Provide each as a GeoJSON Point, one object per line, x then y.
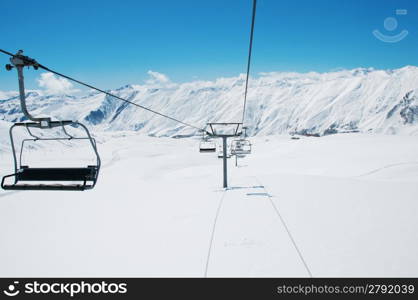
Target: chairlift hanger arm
{"type": "Point", "coordinates": [19, 61]}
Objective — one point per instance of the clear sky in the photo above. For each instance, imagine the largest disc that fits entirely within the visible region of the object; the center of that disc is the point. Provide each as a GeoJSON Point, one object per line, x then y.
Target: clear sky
{"type": "Point", "coordinates": [112, 43]}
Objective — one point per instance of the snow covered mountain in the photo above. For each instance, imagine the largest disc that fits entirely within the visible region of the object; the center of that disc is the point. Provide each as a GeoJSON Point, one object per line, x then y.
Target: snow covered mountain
{"type": "Point", "coordinates": [365, 100]}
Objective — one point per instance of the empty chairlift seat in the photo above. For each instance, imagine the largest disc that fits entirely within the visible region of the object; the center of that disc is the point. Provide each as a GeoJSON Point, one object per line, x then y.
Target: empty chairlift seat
{"type": "Point", "coordinates": [207, 146]}
{"type": "Point", "coordinates": [26, 177]}
{"type": "Point", "coordinates": [240, 147]}
{"type": "Point", "coordinates": [26, 174]}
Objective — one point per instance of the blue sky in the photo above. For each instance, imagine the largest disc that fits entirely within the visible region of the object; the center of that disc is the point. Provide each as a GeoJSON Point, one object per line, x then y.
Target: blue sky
{"type": "Point", "coordinates": [113, 43]}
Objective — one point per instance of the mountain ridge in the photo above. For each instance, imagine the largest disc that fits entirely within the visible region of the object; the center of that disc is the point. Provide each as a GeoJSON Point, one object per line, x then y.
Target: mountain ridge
{"type": "Point", "coordinates": [361, 99]}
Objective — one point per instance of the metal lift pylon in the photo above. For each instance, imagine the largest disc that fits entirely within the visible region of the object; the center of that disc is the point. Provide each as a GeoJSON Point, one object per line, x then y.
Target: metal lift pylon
{"type": "Point", "coordinates": [224, 131]}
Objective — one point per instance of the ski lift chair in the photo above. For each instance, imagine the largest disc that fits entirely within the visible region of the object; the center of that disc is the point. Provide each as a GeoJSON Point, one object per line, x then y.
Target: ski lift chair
{"type": "Point", "coordinates": [206, 146]}
{"type": "Point", "coordinates": [237, 149]}
{"type": "Point", "coordinates": [26, 177]}
{"type": "Point", "coordinates": [240, 147]}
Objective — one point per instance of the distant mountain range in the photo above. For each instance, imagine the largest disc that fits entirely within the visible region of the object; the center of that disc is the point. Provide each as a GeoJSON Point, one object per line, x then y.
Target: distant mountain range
{"type": "Point", "coordinates": [364, 100]}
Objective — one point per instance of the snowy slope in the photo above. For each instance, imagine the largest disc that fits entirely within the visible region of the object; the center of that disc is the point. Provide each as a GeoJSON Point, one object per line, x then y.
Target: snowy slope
{"type": "Point", "coordinates": [341, 205]}
{"type": "Point", "coordinates": [363, 100]}
{"type": "Point", "coordinates": [349, 201]}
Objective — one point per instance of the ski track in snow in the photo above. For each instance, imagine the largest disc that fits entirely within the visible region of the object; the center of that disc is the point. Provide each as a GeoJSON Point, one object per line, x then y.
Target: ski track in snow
{"type": "Point", "coordinates": [212, 235]}
{"type": "Point", "coordinates": [386, 167]}
{"type": "Point", "coordinates": [243, 197]}
{"type": "Point", "coordinates": [114, 159]}
{"type": "Point", "coordinates": [285, 226]}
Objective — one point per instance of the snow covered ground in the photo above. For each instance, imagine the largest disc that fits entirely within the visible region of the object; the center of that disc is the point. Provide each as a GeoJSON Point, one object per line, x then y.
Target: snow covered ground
{"type": "Point", "coordinates": [339, 205]}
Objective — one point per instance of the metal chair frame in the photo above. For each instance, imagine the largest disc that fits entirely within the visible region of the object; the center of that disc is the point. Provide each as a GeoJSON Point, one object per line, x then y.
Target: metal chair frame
{"type": "Point", "coordinates": [89, 180]}
{"type": "Point", "coordinates": [88, 175]}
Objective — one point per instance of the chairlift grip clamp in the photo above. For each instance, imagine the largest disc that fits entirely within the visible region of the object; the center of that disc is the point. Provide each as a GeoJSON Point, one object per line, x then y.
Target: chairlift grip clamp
{"type": "Point", "coordinates": [20, 60]}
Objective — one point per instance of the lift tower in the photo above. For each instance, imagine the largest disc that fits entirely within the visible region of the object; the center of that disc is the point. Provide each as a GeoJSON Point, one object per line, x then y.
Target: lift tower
{"type": "Point", "coordinates": [224, 131]}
